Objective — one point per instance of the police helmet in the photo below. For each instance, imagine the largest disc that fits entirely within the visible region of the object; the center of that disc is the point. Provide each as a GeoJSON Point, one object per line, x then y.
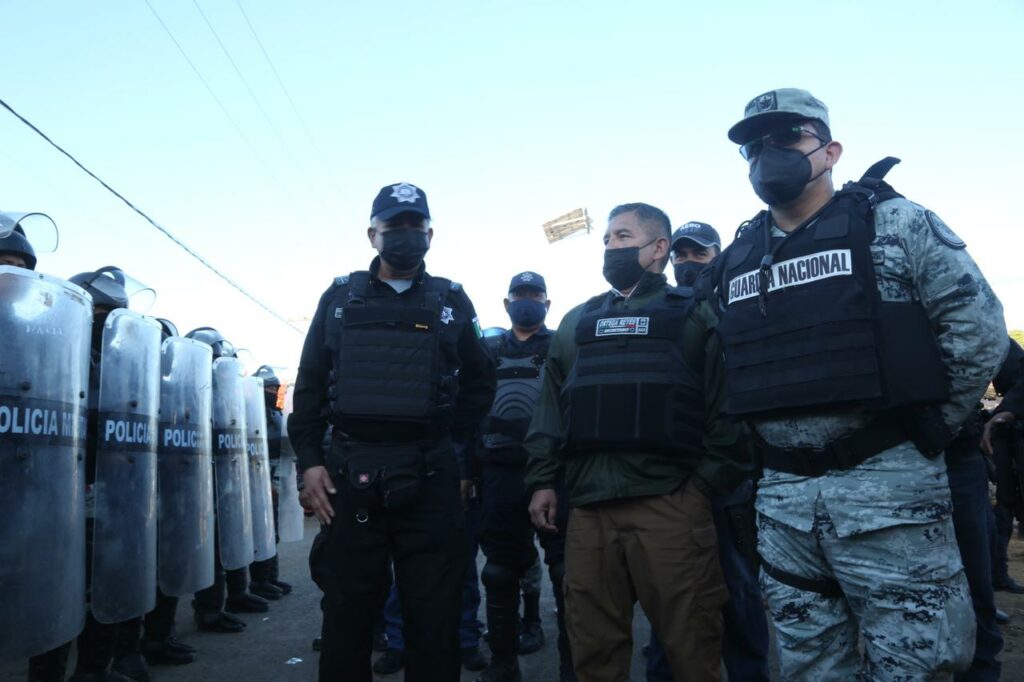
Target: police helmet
{"type": "Point", "coordinates": [222, 348]}
{"type": "Point", "coordinates": [106, 286]}
{"type": "Point", "coordinates": [17, 243]}
{"type": "Point", "coordinates": [270, 378]}
{"type": "Point", "coordinates": [167, 328]}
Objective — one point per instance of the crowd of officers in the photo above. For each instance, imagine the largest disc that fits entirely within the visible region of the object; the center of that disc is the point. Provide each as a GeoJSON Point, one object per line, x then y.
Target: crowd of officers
{"type": "Point", "coordinates": [787, 436]}
{"type": "Point", "coordinates": [137, 466]}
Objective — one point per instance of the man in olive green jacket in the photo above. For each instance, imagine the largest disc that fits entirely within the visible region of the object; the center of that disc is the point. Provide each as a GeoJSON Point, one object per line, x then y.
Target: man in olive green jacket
{"type": "Point", "coordinates": [632, 407]}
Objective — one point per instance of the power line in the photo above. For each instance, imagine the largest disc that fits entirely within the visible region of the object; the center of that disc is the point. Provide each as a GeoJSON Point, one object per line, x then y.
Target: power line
{"type": "Point", "coordinates": [231, 119]}
{"type": "Point", "coordinates": [256, 100]}
{"type": "Point", "coordinates": [152, 222]}
{"type": "Point", "coordinates": [280, 81]}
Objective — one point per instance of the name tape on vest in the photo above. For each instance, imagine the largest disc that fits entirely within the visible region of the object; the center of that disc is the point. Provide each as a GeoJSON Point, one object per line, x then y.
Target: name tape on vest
{"type": "Point", "coordinates": [622, 326]}
{"type": "Point", "coordinates": [793, 272]}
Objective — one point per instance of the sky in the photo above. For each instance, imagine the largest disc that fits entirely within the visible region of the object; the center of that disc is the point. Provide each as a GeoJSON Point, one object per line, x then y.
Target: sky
{"type": "Point", "coordinates": [505, 114]}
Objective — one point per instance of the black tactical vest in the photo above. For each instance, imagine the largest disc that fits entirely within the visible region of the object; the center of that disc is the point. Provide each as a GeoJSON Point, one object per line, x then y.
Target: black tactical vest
{"type": "Point", "coordinates": [386, 352]}
{"type": "Point", "coordinates": [803, 324]}
{"type": "Point", "coordinates": [275, 432]}
{"type": "Point", "coordinates": [518, 390]}
{"type": "Point", "coordinates": [631, 387]}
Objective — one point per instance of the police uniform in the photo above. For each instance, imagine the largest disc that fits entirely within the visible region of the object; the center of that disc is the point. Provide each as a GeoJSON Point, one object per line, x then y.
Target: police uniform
{"type": "Point", "coordinates": [856, 345]}
{"type": "Point", "coordinates": [631, 411]}
{"type": "Point", "coordinates": [405, 380]}
{"type": "Point", "coordinates": [1007, 454]}
{"type": "Point", "coordinates": [506, 534]}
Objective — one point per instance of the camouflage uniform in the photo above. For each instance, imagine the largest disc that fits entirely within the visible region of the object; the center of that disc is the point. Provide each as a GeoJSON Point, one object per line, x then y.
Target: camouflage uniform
{"type": "Point", "coordinates": [882, 530]}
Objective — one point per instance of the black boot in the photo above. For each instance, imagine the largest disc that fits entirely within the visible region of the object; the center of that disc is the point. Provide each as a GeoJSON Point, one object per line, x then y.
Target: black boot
{"type": "Point", "coordinates": [502, 618]}
{"type": "Point", "coordinates": [219, 622]}
{"type": "Point", "coordinates": [501, 670]}
{"type": "Point", "coordinates": [531, 635]}
{"type": "Point", "coordinates": [275, 578]}
{"type": "Point", "coordinates": [246, 603]}
{"type": "Point", "coordinates": [167, 652]}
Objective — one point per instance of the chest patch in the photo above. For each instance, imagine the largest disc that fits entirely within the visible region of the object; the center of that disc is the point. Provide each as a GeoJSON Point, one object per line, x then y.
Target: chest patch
{"type": "Point", "coordinates": [793, 272]}
{"type": "Point", "coordinates": [622, 326]}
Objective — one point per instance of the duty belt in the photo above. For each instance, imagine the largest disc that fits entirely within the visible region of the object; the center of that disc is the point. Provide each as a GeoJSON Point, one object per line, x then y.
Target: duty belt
{"type": "Point", "coordinates": [837, 455]}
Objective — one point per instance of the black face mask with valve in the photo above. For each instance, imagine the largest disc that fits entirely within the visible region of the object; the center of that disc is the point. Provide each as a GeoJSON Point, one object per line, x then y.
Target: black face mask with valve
{"type": "Point", "coordinates": [404, 249]}
{"type": "Point", "coordinates": [779, 175]}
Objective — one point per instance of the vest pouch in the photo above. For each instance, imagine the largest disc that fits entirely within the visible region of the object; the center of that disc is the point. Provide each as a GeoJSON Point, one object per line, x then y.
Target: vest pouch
{"type": "Point", "coordinates": [909, 356]}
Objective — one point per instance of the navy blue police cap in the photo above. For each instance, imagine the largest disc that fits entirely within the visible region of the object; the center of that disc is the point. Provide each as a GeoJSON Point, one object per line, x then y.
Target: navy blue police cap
{"type": "Point", "coordinates": [526, 280]}
{"type": "Point", "coordinates": [700, 233]}
{"type": "Point", "coordinates": [400, 198]}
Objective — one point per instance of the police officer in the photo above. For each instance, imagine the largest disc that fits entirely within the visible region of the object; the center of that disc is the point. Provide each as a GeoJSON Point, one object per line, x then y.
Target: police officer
{"type": "Point", "coordinates": [16, 250]}
{"type": "Point", "coordinates": [506, 534]}
{"type": "Point", "coordinates": [97, 642]}
{"type": "Point", "coordinates": [265, 581]}
{"type": "Point", "coordinates": [631, 410]}
{"type": "Point", "coordinates": [695, 246]}
{"type": "Point", "coordinates": [213, 607]}
{"type": "Point", "coordinates": [859, 336]}
{"type": "Point", "coordinates": [411, 382]}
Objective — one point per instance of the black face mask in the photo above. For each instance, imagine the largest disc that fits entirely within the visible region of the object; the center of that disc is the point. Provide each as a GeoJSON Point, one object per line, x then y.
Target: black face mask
{"type": "Point", "coordinates": [687, 272]}
{"type": "Point", "coordinates": [779, 175]}
{"type": "Point", "coordinates": [622, 267]}
{"type": "Point", "coordinates": [403, 249]}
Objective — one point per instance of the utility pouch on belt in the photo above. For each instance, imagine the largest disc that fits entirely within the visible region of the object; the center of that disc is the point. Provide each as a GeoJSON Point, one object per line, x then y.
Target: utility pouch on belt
{"type": "Point", "coordinates": [382, 476]}
{"type": "Point", "coordinates": [927, 430]}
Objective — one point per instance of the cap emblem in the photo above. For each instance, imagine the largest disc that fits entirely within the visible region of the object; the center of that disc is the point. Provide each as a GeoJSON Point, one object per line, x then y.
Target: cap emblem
{"type": "Point", "coordinates": [405, 193]}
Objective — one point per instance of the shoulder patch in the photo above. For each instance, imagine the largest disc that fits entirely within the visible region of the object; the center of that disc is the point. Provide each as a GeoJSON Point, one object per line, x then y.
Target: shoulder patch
{"type": "Point", "coordinates": [943, 233]}
{"type": "Point", "coordinates": [455, 286]}
{"type": "Point", "coordinates": [341, 280]}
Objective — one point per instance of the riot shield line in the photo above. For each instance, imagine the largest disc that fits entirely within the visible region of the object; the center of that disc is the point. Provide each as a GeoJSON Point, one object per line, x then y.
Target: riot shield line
{"type": "Point", "coordinates": [264, 544]}
{"type": "Point", "coordinates": [185, 521]}
{"type": "Point", "coordinates": [290, 516]}
{"type": "Point", "coordinates": [124, 537]}
{"type": "Point", "coordinates": [45, 325]}
{"type": "Point", "coordinates": [231, 467]}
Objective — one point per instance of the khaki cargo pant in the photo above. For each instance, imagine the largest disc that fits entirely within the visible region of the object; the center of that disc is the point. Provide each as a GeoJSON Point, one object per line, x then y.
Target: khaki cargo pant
{"type": "Point", "coordinates": [662, 551]}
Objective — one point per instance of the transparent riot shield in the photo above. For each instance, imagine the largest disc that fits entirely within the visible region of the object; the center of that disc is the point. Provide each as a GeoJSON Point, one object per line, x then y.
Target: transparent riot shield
{"type": "Point", "coordinates": [45, 326]}
{"type": "Point", "coordinates": [231, 466]}
{"type": "Point", "coordinates": [290, 516]}
{"type": "Point", "coordinates": [264, 545]}
{"type": "Point", "coordinates": [124, 534]}
{"type": "Point", "coordinates": [185, 518]}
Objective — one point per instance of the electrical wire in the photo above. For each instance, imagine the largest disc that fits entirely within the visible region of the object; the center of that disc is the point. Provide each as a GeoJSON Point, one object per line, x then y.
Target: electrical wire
{"type": "Point", "coordinates": [162, 229]}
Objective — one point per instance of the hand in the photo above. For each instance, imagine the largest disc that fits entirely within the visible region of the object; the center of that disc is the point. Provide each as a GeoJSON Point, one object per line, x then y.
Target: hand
{"type": "Point", "coordinates": [467, 492]}
{"type": "Point", "coordinates": [317, 485]}
{"type": "Point", "coordinates": [986, 437]}
{"type": "Point", "coordinates": [544, 510]}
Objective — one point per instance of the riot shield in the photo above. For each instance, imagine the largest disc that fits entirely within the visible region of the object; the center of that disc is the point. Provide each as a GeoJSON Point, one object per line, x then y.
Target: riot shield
{"type": "Point", "coordinates": [45, 326]}
{"type": "Point", "coordinates": [185, 519]}
{"type": "Point", "coordinates": [124, 535]}
{"type": "Point", "coordinates": [290, 515]}
{"type": "Point", "coordinates": [264, 545]}
{"type": "Point", "coordinates": [230, 463]}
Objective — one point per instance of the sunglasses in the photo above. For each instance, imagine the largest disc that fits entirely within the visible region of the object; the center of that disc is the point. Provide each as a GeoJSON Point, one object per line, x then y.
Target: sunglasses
{"type": "Point", "coordinates": [783, 137]}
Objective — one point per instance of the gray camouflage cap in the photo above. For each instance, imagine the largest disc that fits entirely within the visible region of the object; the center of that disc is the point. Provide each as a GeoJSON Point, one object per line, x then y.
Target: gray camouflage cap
{"type": "Point", "coordinates": [775, 107]}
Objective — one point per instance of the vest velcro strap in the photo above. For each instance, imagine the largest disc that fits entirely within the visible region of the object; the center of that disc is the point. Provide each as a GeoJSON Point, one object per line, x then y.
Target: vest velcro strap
{"type": "Point", "coordinates": [838, 455]}
{"type": "Point", "coordinates": [826, 587]}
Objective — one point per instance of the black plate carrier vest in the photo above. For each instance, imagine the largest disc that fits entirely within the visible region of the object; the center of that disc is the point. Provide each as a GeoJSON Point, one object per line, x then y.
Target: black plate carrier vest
{"type": "Point", "coordinates": [631, 387]}
{"type": "Point", "coordinates": [387, 354]}
{"type": "Point", "coordinates": [517, 393]}
{"type": "Point", "coordinates": [821, 336]}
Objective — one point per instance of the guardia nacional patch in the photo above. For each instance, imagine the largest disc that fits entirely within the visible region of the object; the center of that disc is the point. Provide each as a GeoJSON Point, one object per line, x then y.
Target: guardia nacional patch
{"type": "Point", "coordinates": [943, 233]}
{"type": "Point", "coordinates": [477, 329]}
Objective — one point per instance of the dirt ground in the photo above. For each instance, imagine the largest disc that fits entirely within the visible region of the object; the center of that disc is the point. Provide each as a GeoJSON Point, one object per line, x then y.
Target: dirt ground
{"type": "Point", "coordinates": [276, 646]}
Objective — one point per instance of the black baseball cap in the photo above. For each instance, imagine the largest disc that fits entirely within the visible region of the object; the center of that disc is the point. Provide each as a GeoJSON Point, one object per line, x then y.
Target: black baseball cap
{"type": "Point", "coordinates": [394, 199]}
{"type": "Point", "coordinates": [526, 280]}
{"type": "Point", "coordinates": [699, 233]}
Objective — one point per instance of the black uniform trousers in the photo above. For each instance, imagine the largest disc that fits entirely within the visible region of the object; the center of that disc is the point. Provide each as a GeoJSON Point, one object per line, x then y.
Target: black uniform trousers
{"type": "Point", "coordinates": [426, 540]}
{"type": "Point", "coordinates": [506, 538]}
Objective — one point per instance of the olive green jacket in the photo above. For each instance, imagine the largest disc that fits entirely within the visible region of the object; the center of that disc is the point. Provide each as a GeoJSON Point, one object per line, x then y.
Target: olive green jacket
{"type": "Point", "coordinates": [597, 477]}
